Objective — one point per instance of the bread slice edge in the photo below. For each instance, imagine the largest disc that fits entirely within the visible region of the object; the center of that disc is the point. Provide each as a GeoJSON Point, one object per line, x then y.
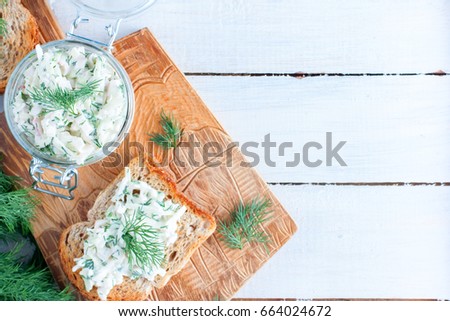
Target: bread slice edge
{"type": "Point", "coordinates": [194, 227]}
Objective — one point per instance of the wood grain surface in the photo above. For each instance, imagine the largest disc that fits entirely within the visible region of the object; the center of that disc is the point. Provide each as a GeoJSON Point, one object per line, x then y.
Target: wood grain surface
{"type": "Point", "coordinates": [49, 28]}
{"type": "Point", "coordinates": [216, 183]}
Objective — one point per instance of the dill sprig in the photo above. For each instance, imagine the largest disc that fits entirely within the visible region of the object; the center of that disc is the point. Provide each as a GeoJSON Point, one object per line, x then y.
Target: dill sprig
{"type": "Point", "coordinates": [172, 132]}
{"type": "Point", "coordinates": [6, 182]}
{"type": "Point", "coordinates": [26, 254]}
{"type": "Point", "coordinates": [27, 283]}
{"type": "Point", "coordinates": [20, 279]}
{"type": "Point", "coordinates": [63, 99]}
{"type": "Point", "coordinates": [245, 224]}
{"type": "Point", "coordinates": [142, 244]}
{"type": "Point", "coordinates": [3, 27]}
{"type": "Point", "coordinates": [16, 209]}
{"type": "Point", "coordinates": [216, 297]}
{"type": "Point", "coordinates": [16, 206]}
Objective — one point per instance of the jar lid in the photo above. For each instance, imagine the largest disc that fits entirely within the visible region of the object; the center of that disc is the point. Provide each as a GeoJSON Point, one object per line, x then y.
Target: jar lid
{"type": "Point", "coordinates": [113, 9]}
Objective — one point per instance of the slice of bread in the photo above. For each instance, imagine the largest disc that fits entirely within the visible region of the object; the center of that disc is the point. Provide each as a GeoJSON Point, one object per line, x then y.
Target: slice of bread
{"type": "Point", "coordinates": [20, 38]}
{"type": "Point", "coordinates": [194, 227]}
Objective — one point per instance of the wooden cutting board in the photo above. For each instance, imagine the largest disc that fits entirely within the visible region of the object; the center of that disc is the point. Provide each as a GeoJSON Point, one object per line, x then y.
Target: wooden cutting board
{"type": "Point", "coordinates": [215, 183]}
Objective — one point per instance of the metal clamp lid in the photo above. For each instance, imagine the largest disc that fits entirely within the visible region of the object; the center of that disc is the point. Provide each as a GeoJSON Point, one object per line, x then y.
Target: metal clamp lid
{"type": "Point", "coordinates": [65, 178]}
{"type": "Point", "coordinates": [112, 32]}
{"type": "Point", "coordinates": [116, 10]}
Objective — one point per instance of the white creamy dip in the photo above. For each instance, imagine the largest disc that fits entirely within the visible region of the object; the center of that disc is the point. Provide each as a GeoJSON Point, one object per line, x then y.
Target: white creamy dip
{"type": "Point", "coordinates": [93, 120]}
{"type": "Point", "coordinates": [105, 261]}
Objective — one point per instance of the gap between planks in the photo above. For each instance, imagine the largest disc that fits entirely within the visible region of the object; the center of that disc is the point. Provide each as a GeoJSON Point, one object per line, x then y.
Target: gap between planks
{"type": "Point", "coordinates": [310, 75]}
{"type": "Point", "coordinates": [361, 183]}
{"type": "Point", "coordinates": [333, 299]}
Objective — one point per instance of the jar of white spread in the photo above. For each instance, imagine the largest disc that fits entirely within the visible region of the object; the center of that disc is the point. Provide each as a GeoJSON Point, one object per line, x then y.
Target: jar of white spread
{"type": "Point", "coordinates": [70, 103]}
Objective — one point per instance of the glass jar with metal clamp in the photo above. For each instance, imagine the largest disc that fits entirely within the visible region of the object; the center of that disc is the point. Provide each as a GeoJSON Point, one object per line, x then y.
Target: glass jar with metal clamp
{"type": "Point", "coordinates": [69, 103]}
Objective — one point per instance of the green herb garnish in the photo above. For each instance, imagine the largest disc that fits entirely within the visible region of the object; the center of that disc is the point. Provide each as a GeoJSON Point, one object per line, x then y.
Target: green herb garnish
{"type": "Point", "coordinates": [6, 182]}
{"type": "Point", "coordinates": [172, 132]}
{"type": "Point", "coordinates": [16, 209]}
{"type": "Point", "coordinates": [48, 149]}
{"type": "Point", "coordinates": [216, 298]}
{"type": "Point", "coordinates": [142, 244]}
{"type": "Point", "coordinates": [3, 27]}
{"type": "Point", "coordinates": [22, 279]}
{"type": "Point", "coordinates": [245, 224]}
{"type": "Point", "coordinates": [3, 24]}
{"type": "Point", "coordinates": [63, 99]}
{"type": "Point", "coordinates": [89, 264]}
{"type": "Point", "coordinates": [27, 283]}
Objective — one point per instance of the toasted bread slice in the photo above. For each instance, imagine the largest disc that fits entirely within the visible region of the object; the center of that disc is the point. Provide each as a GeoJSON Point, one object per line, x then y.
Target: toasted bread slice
{"type": "Point", "coordinates": [194, 227]}
{"type": "Point", "coordinates": [20, 38]}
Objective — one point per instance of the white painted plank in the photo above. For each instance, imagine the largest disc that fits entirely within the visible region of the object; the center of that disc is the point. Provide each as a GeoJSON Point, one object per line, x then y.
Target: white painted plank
{"type": "Point", "coordinates": [361, 242]}
{"type": "Point", "coordinates": [397, 128]}
{"type": "Point", "coordinates": [295, 35]}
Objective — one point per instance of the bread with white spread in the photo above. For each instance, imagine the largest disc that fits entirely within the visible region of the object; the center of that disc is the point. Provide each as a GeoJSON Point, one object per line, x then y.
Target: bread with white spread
{"type": "Point", "coordinates": [20, 37]}
{"type": "Point", "coordinates": [193, 227]}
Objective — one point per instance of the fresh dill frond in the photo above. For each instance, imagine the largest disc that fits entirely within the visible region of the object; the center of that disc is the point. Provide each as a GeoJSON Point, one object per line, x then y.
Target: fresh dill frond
{"type": "Point", "coordinates": [172, 132]}
{"type": "Point", "coordinates": [22, 276]}
{"type": "Point", "coordinates": [245, 224]}
{"type": "Point", "coordinates": [16, 206]}
{"type": "Point", "coordinates": [6, 182]}
{"type": "Point", "coordinates": [27, 283]}
{"type": "Point", "coordinates": [16, 209]}
{"type": "Point", "coordinates": [216, 297]}
{"type": "Point", "coordinates": [63, 99]}
{"type": "Point", "coordinates": [142, 245]}
{"type": "Point", "coordinates": [27, 252]}
{"type": "Point", "coordinates": [3, 27]}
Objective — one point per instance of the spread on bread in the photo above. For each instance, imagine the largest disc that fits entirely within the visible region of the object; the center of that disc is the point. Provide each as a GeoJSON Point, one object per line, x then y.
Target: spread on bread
{"type": "Point", "coordinates": [139, 216]}
{"type": "Point", "coordinates": [18, 36]}
{"type": "Point", "coordinates": [71, 104]}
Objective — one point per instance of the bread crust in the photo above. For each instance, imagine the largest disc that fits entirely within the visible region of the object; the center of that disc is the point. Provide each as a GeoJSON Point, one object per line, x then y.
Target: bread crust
{"type": "Point", "coordinates": [71, 240]}
{"type": "Point", "coordinates": [21, 38]}
{"type": "Point", "coordinates": [127, 290]}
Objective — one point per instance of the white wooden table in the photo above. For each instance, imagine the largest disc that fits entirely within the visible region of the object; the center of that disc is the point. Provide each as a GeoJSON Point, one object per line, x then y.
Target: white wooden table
{"type": "Point", "coordinates": [380, 227]}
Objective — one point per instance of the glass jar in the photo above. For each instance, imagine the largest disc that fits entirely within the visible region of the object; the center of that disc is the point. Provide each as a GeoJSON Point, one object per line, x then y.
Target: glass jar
{"type": "Point", "coordinates": [64, 170]}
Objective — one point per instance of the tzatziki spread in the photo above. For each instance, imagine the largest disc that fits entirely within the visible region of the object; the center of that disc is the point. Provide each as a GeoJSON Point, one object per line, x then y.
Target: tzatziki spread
{"type": "Point", "coordinates": [72, 102]}
{"type": "Point", "coordinates": [106, 259]}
